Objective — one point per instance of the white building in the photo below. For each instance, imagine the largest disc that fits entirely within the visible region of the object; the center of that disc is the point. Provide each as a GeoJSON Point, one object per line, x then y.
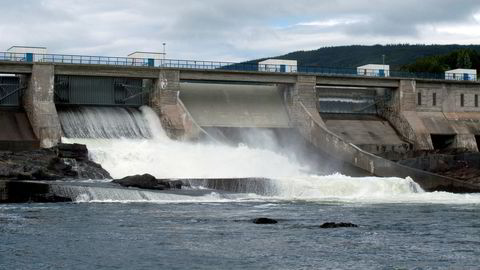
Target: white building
{"type": "Point", "coordinates": [374, 70]}
{"type": "Point", "coordinates": [278, 65]}
{"type": "Point", "coordinates": [29, 53]}
{"type": "Point", "coordinates": [147, 58]}
{"type": "Point", "coordinates": [461, 74]}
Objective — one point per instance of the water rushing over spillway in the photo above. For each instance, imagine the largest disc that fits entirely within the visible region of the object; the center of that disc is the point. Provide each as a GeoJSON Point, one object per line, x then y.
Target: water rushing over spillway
{"type": "Point", "coordinates": [127, 142]}
{"type": "Point", "coordinates": [103, 122]}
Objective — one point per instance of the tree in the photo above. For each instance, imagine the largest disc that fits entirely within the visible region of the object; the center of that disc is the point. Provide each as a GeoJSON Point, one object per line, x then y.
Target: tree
{"type": "Point", "coordinates": [463, 59]}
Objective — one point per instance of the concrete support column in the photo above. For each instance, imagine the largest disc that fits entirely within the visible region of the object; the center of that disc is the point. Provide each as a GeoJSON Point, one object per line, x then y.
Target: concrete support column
{"type": "Point", "coordinates": [40, 107]}
{"type": "Point", "coordinates": [465, 141]}
{"type": "Point", "coordinates": [303, 91]}
{"type": "Point", "coordinates": [164, 100]}
{"type": "Point", "coordinates": [402, 114]}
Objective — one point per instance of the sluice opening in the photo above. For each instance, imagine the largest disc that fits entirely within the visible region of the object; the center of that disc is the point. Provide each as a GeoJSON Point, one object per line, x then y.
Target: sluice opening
{"type": "Point", "coordinates": [442, 141]}
{"type": "Point", "coordinates": [477, 139]}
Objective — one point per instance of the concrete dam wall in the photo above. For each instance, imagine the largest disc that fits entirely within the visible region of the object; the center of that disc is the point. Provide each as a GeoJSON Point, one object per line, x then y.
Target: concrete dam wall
{"type": "Point", "coordinates": [234, 105]}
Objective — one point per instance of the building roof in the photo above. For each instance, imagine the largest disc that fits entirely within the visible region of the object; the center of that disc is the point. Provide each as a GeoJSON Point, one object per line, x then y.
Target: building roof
{"type": "Point", "coordinates": [32, 47]}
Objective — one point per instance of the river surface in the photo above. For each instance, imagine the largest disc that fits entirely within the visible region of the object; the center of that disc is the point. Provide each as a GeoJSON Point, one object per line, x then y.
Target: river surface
{"type": "Point", "coordinates": [220, 235]}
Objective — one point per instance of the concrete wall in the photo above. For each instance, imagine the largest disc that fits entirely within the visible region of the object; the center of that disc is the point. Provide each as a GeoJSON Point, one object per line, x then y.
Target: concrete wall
{"type": "Point", "coordinates": [174, 116]}
{"type": "Point", "coordinates": [443, 112]}
{"type": "Point", "coordinates": [235, 105]}
{"type": "Point", "coordinates": [40, 107]}
{"type": "Point", "coordinates": [314, 130]}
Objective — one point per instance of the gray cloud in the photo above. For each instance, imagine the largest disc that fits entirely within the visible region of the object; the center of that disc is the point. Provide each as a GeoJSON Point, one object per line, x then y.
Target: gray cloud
{"type": "Point", "coordinates": [224, 30]}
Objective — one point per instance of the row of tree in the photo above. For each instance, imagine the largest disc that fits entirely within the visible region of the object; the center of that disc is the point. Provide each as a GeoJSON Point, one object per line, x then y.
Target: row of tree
{"type": "Point", "coordinates": [396, 55]}
{"type": "Point", "coordinates": [463, 58]}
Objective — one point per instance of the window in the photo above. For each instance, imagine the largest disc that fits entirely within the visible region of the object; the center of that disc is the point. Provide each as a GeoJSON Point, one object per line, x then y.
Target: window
{"type": "Point", "coordinates": [419, 99]}
{"type": "Point", "coordinates": [434, 99]}
{"type": "Point", "coordinates": [462, 100]}
{"type": "Point", "coordinates": [476, 100]}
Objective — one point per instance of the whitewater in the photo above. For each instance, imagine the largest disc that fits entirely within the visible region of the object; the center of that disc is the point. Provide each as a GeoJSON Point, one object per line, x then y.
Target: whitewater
{"type": "Point", "coordinates": [127, 142]}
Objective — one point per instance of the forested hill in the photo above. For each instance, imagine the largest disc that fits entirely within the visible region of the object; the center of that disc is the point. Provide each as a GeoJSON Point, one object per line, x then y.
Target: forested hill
{"type": "Point", "coordinates": [356, 55]}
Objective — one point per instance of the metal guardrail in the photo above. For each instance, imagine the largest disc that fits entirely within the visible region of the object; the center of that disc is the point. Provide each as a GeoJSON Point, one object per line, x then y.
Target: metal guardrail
{"type": "Point", "coordinates": [218, 65]}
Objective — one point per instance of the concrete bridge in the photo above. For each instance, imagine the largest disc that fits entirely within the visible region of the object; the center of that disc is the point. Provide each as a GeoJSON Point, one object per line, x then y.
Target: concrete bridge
{"type": "Point", "coordinates": [357, 119]}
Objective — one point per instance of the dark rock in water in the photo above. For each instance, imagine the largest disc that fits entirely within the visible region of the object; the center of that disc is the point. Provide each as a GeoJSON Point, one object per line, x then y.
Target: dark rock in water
{"type": "Point", "coordinates": [74, 150]}
{"type": "Point", "coordinates": [64, 161]}
{"type": "Point", "coordinates": [148, 181]}
{"type": "Point", "coordinates": [264, 220]}
{"type": "Point", "coordinates": [15, 191]}
{"type": "Point", "coordinates": [329, 225]}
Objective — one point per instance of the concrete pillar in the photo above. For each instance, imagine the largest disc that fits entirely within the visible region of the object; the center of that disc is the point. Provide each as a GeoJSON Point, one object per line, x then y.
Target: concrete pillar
{"type": "Point", "coordinates": [401, 112]}
{"type": "Point", "coordinates": [174, 116]}
{"type": "Point", "coordinates": [40, 107]}
{"type": "Point", "coordinates": [165, 89]}
{"type": "Point", "coordinates": [303, 91]}
{"type": "Point", "coordinates": [466, 141]}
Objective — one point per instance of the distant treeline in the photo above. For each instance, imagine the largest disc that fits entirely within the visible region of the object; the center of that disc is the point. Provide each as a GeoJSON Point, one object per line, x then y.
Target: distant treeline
{"type": "Point", "coordinates": [463, 58]}
{"type": "Point", "coordinates": [417, 58]}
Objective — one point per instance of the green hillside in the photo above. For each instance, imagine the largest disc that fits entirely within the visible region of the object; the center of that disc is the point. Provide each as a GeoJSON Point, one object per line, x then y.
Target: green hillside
{"type": "Point", "coordinates": [397, 56]}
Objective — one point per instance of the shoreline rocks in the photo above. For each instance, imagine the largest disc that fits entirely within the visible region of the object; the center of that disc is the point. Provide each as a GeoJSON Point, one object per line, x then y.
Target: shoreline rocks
{"type": "Point", "coordinates": [61, 162]}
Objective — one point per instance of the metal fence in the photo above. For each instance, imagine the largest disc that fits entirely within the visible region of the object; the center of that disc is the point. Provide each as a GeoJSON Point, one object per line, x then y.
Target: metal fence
{"type": "Point", "coordinates": [218, 65]}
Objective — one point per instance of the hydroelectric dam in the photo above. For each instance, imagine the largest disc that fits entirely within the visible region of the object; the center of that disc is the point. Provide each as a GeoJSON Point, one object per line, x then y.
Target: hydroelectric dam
{"type": "Point", "coordinates": [366, 123]}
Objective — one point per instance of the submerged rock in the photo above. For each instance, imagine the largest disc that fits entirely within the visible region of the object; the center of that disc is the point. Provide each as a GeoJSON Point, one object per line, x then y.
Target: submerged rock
{"type": "Point", "coordinates": [328, 225]}
{"type": "Point", "coordinates": [264, 220]}
{"type": "Point", "coordinates": [148, 181]}
{"type": "Point", "coordinates": [64, 161]}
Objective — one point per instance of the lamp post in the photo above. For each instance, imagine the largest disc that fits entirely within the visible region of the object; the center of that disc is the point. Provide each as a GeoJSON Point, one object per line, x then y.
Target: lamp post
{"type": "Point", "coordinates": [164, 51]}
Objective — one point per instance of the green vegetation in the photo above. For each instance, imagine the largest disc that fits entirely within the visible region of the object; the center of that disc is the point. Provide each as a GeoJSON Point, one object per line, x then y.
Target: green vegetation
{"type": "Point", "coordinates": [418, 58]}
{"type": "Point", "coordinates": [463, 58]}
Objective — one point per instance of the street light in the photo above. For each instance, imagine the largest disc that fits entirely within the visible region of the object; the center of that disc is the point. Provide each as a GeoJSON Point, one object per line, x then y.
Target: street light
{"type": "Point", "coordinates": [164, 50]}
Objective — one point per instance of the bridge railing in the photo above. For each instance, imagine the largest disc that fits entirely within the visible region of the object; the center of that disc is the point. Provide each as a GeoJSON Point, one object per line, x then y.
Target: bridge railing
{"type": "Point", "coordinates": [219, 65]}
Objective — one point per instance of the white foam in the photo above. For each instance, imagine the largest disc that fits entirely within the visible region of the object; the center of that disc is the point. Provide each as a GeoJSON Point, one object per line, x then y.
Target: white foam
{"type": "Point", "coordinates": [166, 158]}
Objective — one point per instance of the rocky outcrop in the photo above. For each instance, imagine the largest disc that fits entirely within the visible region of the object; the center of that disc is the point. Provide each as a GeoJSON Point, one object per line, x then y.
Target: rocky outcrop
{"type": "Point", "coordinates": [148, 181]}
{"type": "Point", "coordinates": [64, 161]}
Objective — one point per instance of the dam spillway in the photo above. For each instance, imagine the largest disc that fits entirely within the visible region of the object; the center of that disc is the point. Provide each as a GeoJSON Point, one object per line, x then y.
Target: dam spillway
{"type": "Point", "coordinates": [235, 105]}
{"type": "Point", "coordinates": [166, 158]}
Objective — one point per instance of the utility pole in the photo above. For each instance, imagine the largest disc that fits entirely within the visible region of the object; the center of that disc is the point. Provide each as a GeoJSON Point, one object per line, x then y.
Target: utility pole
{"type": "Point", "coordinates": [164, 49]}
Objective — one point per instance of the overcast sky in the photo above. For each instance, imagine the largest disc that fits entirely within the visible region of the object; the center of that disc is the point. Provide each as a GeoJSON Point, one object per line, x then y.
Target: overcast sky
{"type": "Point", "coordinates": [232, 30]}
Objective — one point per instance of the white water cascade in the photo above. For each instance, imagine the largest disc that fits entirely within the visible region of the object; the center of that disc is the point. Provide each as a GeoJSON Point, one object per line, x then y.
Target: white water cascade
{"type": "Point", "coordinates": [132, 142]}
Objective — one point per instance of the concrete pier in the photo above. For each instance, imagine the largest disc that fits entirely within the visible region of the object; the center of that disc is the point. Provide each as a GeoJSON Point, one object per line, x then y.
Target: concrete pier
{"type": "Point", "coordinates": [40, 107]}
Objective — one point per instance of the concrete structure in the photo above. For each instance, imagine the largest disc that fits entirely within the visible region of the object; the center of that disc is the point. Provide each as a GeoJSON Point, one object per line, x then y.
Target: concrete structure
{"type": "Point", "coordinates": [147, 58]}
{"type": "Point", "coordinates": [40, 107]}
{"type": "Point", "coordinates": [374, 70]}
{"type": "Point", "coordinates": [278, 65]}
{"type": "Point", "coordinates": [461, 74]}
{"type": "Point", "coordinates": [36, 52]}
{"type": "Point", "coordinates": [424, 114]}
{"type": "Point", "coordinates": [233, 105]}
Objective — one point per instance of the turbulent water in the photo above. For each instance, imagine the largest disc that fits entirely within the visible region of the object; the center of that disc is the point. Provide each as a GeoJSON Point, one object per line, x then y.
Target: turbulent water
{"type": "Point", "coordinates": [166, 158]}
{"type": "Point", "coordinates": [399, 225]}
